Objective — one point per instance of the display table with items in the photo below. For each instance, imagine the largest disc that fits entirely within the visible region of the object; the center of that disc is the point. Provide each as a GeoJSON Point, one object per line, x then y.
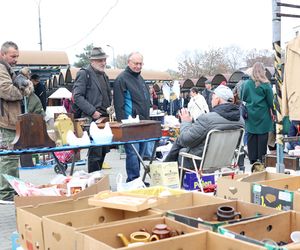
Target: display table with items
{"type": "Point", "coordinates": [32, 137]}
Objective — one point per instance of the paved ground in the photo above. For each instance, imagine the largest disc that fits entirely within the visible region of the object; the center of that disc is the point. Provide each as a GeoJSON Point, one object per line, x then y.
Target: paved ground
{"type": "Point", "coordinates": [42, 176]}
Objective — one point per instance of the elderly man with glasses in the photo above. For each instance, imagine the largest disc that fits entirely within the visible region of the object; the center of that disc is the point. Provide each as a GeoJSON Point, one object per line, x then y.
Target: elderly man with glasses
{"type": "Point", "coordinates": [132, 97]}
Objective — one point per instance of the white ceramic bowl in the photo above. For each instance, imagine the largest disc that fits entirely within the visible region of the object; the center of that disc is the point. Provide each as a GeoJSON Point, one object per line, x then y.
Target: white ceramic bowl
{"type": "Point", "coordinates": [295, 236]}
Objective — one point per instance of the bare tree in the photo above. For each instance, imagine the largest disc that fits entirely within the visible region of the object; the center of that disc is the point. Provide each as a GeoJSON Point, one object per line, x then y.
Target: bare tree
{"type": "Point", "coordinates": [213, 62]}
{"type": "Point", "coordinates": [264, 56]}
{"type": "Point", "coordinates": [189, 64]}
{"type": "Point", "coordinates": [234, 56]}
{"type": "Point", "coordinates": [208, 63]}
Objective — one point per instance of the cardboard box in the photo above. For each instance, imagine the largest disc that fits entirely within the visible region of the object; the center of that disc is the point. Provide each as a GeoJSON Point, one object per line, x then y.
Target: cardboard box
{"type": "Point", "coordinates": [59, 229]}
{"type": "Point", "coordinates": [101, 185]}
{"type": "Point", "coordinates": [205, 240]}
{"type": "Point", "coordinates": [240, 187]}
{"type": "Point", "coordinates": [282, 193]}
{"type": "Point", "coordinates": [187, 199]}
{"type": "Point", "coordinates": [190, 181]}
{"type": "Point", "coordinates": [206, 216]}
{"type": "Point", "coordinates": [276, 227]}
{"type": "Point", "coordinates": [106, 237]}
{"type": "Point", "coordinates": [176, 198]}
{"type": "Point", "coordinates": [29, 219]}
{"type": "Point", "coordinates": [272, 197]}
{"type": "Point", "coordinates": [165, 174]}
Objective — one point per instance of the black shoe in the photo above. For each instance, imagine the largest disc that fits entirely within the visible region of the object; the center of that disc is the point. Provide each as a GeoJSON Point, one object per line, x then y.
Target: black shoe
{"type": "Point", "coordinates": [7, 200]}
{"type": "Point", "coordinates": [147, 184]}
{"type": "Point", "coordinates": [242, 168]}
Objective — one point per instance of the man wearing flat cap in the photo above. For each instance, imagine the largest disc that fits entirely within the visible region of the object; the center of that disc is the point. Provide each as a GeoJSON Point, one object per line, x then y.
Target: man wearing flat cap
{"type": "Point", "coordinates": [224, 116]}
{"type": "Point", "coordinates": [92, 95]}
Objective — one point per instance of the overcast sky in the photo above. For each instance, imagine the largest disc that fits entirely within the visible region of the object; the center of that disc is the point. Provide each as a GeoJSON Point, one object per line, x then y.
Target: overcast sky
{"type": "Point", "coordinates": [160, 29]}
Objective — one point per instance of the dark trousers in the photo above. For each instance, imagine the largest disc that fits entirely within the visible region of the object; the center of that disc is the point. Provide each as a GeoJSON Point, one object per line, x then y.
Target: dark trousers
{"type": "Point", "coordinates": [257, 146]}
{"type": "Point", "coordinates": [173, 155]}
{"type": "Point", "coordinates": [96, 157]}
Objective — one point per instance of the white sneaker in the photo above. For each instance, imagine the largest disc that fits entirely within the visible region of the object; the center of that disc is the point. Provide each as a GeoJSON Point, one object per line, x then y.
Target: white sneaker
{"type": "Point", "coordinates": [3, 202]}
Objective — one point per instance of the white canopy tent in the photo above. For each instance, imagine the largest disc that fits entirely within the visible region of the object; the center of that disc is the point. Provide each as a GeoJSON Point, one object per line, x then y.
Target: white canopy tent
{"type": "Point", "coordinates": [61, 93]}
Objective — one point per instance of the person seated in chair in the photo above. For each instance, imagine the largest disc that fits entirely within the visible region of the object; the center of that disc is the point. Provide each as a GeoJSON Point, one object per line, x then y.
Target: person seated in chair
{"type": "Point", "coordinates": [224, 116]}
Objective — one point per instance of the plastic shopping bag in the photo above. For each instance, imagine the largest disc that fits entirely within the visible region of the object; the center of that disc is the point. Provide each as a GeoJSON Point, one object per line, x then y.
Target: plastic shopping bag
{"type": "Point", "coordinates": [132, 185]}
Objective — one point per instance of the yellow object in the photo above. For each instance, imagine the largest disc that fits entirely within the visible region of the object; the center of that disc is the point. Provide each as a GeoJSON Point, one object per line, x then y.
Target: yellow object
{"type": "Point", "coordinates": [156, 191]}
{"type": "Point", "coordinates": [105, 165]}
{"type": "Point", "coordinates": [61, 126]}
{"type": "Point", "coordinates": [137, 237]}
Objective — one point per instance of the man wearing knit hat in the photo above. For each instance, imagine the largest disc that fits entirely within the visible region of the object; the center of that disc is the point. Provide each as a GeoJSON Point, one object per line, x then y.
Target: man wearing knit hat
{"type": "Point", "coordinates": [224, 116]}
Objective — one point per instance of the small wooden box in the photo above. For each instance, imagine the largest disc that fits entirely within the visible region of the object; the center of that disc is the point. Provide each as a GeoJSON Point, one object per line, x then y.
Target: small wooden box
{"type": "Point", "coordinates": [290, 162]}
{"type": "Point", "coordinates": [135, 131]}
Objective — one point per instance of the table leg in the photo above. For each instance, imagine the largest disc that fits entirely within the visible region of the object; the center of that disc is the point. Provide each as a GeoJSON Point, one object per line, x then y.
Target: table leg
{"type": "Point", "coordinates": [145, 166]}
{"type": "Point", "coordinates": [73, 162]}
{"type": "Point", "coordinates": [60, 166]}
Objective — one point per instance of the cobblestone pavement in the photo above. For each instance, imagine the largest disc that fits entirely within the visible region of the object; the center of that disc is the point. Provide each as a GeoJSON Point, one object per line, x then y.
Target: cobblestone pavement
{"type": "Point", "coordinates": [42, 176]}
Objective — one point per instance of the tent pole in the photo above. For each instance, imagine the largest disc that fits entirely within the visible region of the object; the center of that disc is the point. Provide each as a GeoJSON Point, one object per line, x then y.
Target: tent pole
{"type": "Point", "coordinates": [276, 23]}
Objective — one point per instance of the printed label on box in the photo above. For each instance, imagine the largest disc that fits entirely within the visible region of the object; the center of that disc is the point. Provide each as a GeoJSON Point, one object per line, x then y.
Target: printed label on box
{"type": "Point", "coordinates": [165, 174]}
{"type": "Point", "coordinates": [190, 181]}
{"type": "Point", "coordinates": [272, 197]}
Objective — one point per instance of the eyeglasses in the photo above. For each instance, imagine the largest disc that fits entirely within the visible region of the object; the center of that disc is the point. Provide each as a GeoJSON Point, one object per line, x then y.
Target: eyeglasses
{"type": "Point", "coordinates": [137, 63]}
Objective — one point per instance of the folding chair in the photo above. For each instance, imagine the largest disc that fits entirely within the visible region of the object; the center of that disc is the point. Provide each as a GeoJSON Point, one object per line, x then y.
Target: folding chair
{"type": "Point", "coordinates": [221, 150]}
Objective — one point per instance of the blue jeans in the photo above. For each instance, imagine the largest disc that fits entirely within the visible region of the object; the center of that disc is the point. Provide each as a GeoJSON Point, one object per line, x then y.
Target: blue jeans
{"type": "Point", "coordinates": [149, 148]}
{"type": "Point", "coordinates": [132, 161]}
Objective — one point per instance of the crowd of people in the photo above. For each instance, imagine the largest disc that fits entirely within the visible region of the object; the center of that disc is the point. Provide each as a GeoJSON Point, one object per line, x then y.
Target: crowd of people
{"type": "Point", "coordinates": [218, 108]}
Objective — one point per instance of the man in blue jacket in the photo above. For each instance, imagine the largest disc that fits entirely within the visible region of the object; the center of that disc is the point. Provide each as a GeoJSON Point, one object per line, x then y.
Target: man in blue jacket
{"type": "Point", "coordinates": [132, 97]}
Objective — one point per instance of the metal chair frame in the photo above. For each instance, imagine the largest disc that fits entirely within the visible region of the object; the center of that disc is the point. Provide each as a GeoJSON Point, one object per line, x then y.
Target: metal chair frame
{"type": "Point", "coordinates": [222, 149]}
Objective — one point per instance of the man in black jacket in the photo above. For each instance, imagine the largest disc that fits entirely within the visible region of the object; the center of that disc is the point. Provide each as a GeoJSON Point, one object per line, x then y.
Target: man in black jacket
{"type": "Point", "coordinates": [39, 89]}
{"type": "Point", "coordinates": [132, 97]}
{"type": "Point", "coordinates": [92, 95]}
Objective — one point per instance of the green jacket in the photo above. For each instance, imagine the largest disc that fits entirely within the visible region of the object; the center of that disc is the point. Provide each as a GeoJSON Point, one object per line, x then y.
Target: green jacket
{"type": "Point", "coordinates": [259, 101]}
{"type": "Point", "coordinates": [34, 105]}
